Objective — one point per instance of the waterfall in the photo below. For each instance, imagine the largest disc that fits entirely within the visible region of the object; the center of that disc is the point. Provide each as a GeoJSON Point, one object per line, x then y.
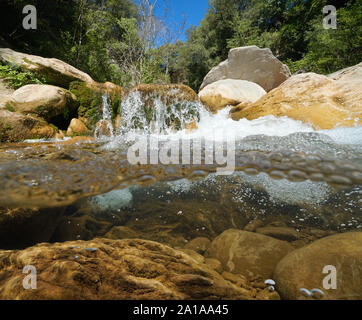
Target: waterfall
{"type": "Point", "coordinates": [152, 114]}
{"type": "Point", "coordinates": [104, 128]}
{"type": "Point", "coordinates": [106, 110]}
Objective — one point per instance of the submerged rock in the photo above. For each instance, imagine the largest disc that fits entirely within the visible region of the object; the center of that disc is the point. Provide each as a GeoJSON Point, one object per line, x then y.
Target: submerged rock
{"type": "Point", "coordinates": [252, 64]}
{"type": "Point", "coordinates": [79, 227]}
{"type": "Point", "coordinates": [21, 228]}
{"type": "Point", "coordinates": [200, 244]}
{"type": "Point", "coordinates": [127, 270]}
{"type": "Point", "coordinates": [221, 93]}
{"type": "Point", "coordinates": [281, 233]}
{"type": "Point", "coordinates": [312, 98]}
{"type": "Point", "coordinates": [121, 232]}
{"type": "Point", "coordinates": [303, 268]}
{"type": "Point", "coordinates": [249, 254]}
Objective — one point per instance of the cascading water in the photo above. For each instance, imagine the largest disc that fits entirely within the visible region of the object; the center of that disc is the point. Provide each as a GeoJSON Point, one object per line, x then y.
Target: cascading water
{"type": "Point", "coordinates": [152, 114]}
{"type": "Point", "coordinates": [104, 128]}
{"type": "Point", "coordinates": [106, 110]}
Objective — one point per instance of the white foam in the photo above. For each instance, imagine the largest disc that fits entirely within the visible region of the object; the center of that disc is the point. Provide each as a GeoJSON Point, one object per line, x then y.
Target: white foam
{"type": "Point", "coordinates": [220, 125]}
{"type": "Point", "coordinates": [351, 135]}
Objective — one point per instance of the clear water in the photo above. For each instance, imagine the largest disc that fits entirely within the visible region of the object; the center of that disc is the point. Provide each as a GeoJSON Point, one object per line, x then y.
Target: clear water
{"type": "Point", "coordinates": [287, 174]}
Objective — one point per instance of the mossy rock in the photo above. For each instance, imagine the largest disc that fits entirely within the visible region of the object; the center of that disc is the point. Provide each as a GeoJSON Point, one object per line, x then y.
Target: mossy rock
{"type": "Point", "coordinates": [179, 101]}
{"type": "Point", "coordinates": [50, 103]}
{"type": "Point", "coordinates": [89, 96]}
{"type": "Point", "coordinates": [15, 127]}
{"type": "Point", "coordinates": [167, 93]}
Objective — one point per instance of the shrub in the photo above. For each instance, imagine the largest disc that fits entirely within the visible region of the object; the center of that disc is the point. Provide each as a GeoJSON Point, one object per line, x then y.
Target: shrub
{"type": "Point", "coordinates": [16, 78]}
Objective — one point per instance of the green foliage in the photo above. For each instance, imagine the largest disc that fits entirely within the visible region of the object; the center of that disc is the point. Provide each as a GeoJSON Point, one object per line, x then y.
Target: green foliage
{"type": "Point", "coordinates": [104, 38]}
{"type": "Point", "coordinates": [17, 78]}
{"type": "Point", "coordinates": [9, 107]}
{"type": "Point", "coordinates": [330, 50]}
{"type": "Point", "coordinates": [90, 102]}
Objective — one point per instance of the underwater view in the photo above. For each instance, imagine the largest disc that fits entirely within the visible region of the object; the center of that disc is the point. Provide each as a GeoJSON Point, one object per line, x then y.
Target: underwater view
{"type": "Point", "coordinates": [250, 189]}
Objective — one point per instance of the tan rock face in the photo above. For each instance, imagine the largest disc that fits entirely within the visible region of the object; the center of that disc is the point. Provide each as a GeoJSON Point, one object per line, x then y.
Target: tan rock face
{"type": "Point", "coordinates": [77, 127]}
{"type": "Point", "coordinates": [311, 98]}
{"type": "Point", "coordinates": [353, 73]}
{"type": "Point", "coordinates": [55, 71]}
{"type": "Point", "coordinates": [44, 101]}
{"type": "Point", "coordinates": [248, 253]}
{"type": "Point", "coordinates": [303, 268]}
{"type": "Point", "coordinates": [16, 127]}
{"type": "Point", "coordinates": [252, 64]}
{"type": "Point", "coordinates": [105, 269]}
{"type": "Point", "coordinates": [221, 93]}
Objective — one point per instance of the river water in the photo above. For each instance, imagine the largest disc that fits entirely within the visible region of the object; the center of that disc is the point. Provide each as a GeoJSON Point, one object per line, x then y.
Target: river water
{"type": "Point", "coordinates": [285, 174]}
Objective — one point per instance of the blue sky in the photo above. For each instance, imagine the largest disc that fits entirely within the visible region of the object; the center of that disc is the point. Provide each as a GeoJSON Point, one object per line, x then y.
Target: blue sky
{"type": "Point", "coordinates": [192, 10]}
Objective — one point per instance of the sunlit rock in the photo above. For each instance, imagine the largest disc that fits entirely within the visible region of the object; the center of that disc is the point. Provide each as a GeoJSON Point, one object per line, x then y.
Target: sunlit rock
{"type": "Point", "coordinates": [221, 93]}
{"type": "Point", "coordinates": [77, 127]}
{"type": "Point", "coordinates": [51, 103]}
{"type": "Point", "coordinates": [252, 64]}
{"type": "Point", "coordinates": [324, 102]}
{"type": "Point", "coordinates": [55, 71]}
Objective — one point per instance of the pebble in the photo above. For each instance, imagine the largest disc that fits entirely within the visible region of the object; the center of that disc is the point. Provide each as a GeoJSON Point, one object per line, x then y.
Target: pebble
{"type": "Point", "coordinates": [271, 289]}
{"type": "Point", "coordinates": [305, 292]}
{"type": "Point", "coordinates": [317, 293]}
{"type": "Point", "coordinates": [270, 282]}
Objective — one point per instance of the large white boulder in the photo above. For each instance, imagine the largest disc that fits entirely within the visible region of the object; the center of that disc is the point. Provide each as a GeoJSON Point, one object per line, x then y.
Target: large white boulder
{"type": "Point", "coordinates": [253, 64]}
{"type": "Point", "coordinates": [221, 93]}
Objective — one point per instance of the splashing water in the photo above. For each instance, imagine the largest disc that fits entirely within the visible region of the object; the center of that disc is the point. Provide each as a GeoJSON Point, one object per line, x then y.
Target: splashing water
{"type": "Point", "coordinates": [157, 117]}
{"type": "Point", "coordinates": [285, 150]}
{"type": "Point", "coordinates": [104, 128]}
